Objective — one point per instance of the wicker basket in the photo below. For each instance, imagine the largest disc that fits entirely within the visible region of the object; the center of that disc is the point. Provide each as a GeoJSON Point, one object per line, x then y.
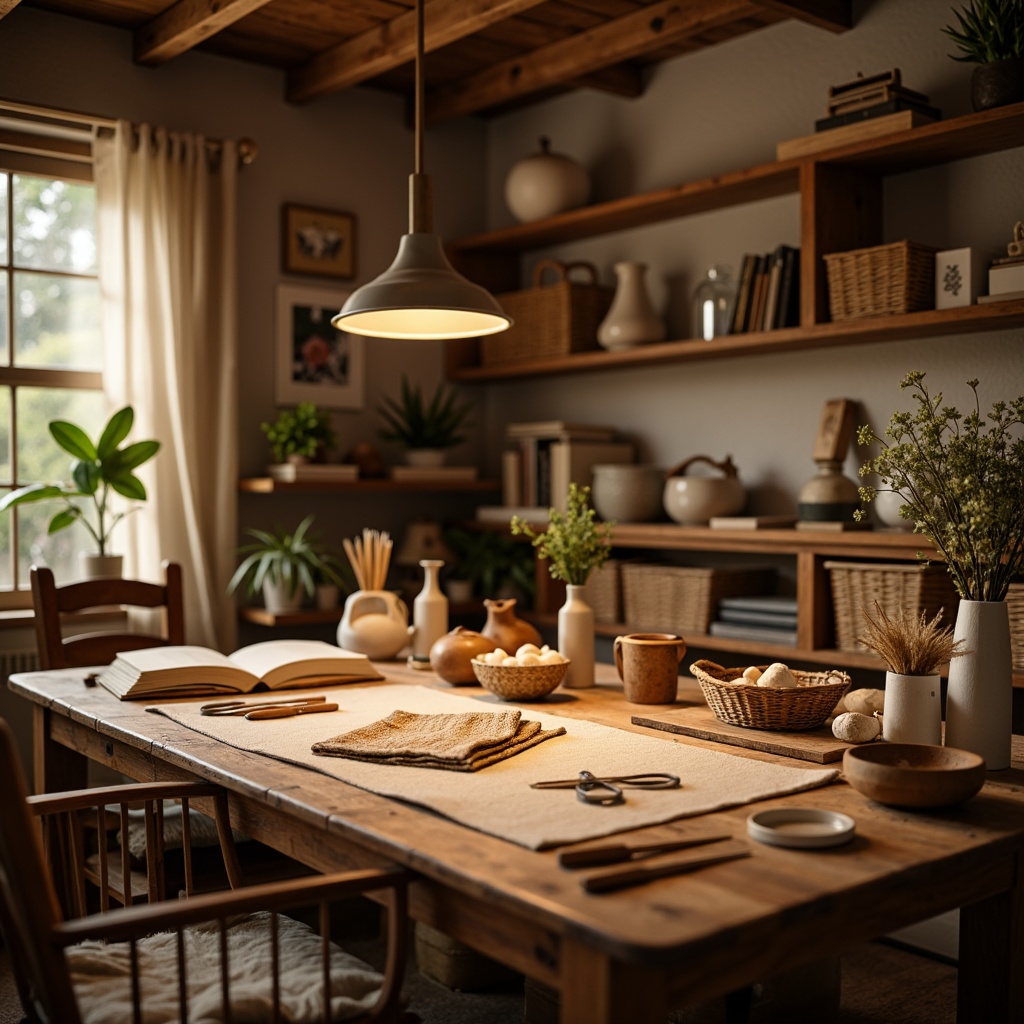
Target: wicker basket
{"type": "Point", "coordinates": [805, 706]}
{"type": "Point", "coordinates": [519, 682]}
{"type": "Point", "coordinates": [1015, 608]}
{"type": "Point", "coordinates": [896, 278]}
{"type": "Point", "coordinates": [682, 599]}
{"type": "Point", "coordinates": [549, 319]}
{"type": "Point", "coordinates": [916, 588]}
{"type": "Point", "coordinates": [604, 592]}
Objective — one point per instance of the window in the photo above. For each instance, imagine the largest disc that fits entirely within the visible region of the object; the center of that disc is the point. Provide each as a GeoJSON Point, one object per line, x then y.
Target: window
{"type": "Point", "coordinates": [51, 361]}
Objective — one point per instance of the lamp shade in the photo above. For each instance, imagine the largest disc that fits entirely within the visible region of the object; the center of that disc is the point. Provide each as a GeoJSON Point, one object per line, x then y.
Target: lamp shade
{"type": "Point", "coordinates": [421, 296]}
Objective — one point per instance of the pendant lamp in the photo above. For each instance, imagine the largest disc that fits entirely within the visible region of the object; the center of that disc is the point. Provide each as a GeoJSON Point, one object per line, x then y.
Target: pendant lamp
{"type": "Point", "coordinates": [421, 295]}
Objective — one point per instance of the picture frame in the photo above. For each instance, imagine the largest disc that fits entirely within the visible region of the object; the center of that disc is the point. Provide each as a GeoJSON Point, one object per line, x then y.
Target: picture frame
{"type": "Point", "coordinates": [316, 362]}
{"type": "Point", "coordinates": [317, 242]}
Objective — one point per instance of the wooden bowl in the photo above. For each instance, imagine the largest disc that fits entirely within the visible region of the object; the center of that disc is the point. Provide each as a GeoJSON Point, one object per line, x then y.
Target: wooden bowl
{"type": "Point", "coordinates": [519, 682]}
{"type": "Point", "coordinates": [914, 774]}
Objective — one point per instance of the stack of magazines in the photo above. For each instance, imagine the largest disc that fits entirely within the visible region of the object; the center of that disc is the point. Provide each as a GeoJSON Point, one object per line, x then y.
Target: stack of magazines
{"type": "Point", "coordinates": [766, 618]}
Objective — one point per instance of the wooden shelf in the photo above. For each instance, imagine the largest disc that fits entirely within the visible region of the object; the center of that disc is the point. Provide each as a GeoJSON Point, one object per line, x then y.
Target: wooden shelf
{"type": "Point", "coordinates": [304, 617]}
{"type": "Point", "coordinates": [266, 485]}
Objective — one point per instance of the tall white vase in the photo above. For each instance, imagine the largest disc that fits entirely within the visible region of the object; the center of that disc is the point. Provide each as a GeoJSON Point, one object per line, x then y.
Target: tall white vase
{"type": "Point", "coordinates": [631, 319]}
{"type": "Point", "coordinates": [429, 611]}
{"type": "Point", "coordinates": [913, 713]}
{"type": "Point", "coordinates": [576, 637]}
{"type": "Point", "coordinates": [979, 698]}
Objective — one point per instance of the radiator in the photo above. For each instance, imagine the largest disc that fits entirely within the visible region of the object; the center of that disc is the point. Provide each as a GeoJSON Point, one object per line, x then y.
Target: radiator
{"type": "Point", "coordinates": [23, 660]}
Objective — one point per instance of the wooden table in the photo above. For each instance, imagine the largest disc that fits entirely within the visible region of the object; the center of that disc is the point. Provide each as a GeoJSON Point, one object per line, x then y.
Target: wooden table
{"type": "Point", "coordinates": [630, 955]}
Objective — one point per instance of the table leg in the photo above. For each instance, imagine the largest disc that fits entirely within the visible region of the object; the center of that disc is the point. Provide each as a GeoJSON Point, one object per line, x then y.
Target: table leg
{"type": "Point", "coordinates": [990, 983]}
{"type": "Point", "coordinates": [56, 768]}
{"type": "Point", "coordinates": [599, 990]}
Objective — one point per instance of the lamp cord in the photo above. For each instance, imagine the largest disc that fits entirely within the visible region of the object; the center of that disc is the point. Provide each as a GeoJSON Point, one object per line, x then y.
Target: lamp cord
{"type": "Point", "coordinates": [418, 112]}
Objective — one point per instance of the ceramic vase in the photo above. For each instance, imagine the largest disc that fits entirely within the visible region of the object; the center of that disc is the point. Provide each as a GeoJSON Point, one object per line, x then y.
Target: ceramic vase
{"type": "Point", "coordinates": [508, 632]}
{"type": "Point", "coordinates": [631, 319]}
{"type": "Point", "coordinates": [544, 184]}
{"type": "Point", "coordinates": [913, 711]}
{"type": "Point", "coordinates": [576, 637]}
{"type": "Point", "coordinates": [429, 611]}
{"type": "Point", "coordinates": [979, 696]}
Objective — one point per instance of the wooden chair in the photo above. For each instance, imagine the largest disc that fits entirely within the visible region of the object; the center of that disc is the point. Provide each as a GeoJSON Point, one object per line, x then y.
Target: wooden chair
{"type": "Point", "coordinates": [68, 964]}
{"type": "Point", "coordinates": [50, 601]}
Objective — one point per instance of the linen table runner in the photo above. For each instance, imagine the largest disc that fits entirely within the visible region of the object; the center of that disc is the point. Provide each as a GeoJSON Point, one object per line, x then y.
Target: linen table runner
{"type": "Point", "coordinates": [498, 800]}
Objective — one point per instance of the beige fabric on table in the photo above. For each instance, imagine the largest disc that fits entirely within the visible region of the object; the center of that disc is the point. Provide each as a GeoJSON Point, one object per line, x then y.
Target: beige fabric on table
{"type": "Point", "coordinates": [498, 800]}
{"type": "Point", "coordinates": [460, 743]}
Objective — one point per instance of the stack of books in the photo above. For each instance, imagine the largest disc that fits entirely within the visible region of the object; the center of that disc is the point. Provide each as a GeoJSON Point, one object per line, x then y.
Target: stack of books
{"type": "Point", "coordinates": [766, 618]}
{"type": "Point", "coordinates": [768, 294]}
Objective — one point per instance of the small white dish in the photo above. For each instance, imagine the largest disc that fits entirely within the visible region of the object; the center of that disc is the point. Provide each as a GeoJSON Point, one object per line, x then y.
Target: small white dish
{"type": "Point", "coordinates": [800, 827]}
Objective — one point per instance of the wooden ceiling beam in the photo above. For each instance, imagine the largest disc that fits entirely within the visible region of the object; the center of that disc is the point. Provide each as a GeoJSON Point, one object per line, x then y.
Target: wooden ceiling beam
{"type": "Point", "coordinates": [6, 6]}
{"type": "Point", "coordinates": [393, 43]}
{"type": "Point", "coordinates": [618, 79]}
{"type": "Point", "coordinates": [185, 25]}
{"type": "Point", "coordinates": [834, 15]}
{"type": "Point", "coordinates": [577, 56]}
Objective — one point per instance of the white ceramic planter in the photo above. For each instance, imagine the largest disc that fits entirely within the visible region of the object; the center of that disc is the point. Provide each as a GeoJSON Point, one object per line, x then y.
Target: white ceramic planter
{"type": "Point", "coordinates": [913, 710]}
{"type": "Point", "coordinates": [278, 601]}
{"type": "Point", "coordinates": [100, 567]}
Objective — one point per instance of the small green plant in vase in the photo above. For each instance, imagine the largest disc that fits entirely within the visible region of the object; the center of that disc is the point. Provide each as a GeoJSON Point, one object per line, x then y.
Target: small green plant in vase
{"type": "Point", "coordinates": [574, 545]}
{"type": "Point", "coordinates": [302, 434]}
{"type": "Point", "coordinates": [990, 34]}
{"type": "Point", "coordinates": [422, 426]}
{"type": "Point", "coordinates": [285, 566]}
{"type": "Point", "coordinates": [99, 470]}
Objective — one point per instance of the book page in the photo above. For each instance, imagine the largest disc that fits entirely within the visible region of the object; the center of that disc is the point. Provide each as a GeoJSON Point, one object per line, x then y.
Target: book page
{"type": "Point", "coordinates": [277, 662]}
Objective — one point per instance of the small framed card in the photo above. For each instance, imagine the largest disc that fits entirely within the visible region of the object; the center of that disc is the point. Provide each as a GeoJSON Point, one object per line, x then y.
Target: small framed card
{"type": "Point", "coordinates": [959, 277]}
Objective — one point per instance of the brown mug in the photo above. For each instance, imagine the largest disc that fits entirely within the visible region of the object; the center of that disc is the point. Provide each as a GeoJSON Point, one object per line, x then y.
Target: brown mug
{"type": "Point", "coordinates": [648, 665]}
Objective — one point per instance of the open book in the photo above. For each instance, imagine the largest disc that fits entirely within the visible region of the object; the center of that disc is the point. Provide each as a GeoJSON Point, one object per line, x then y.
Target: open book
{"type": "Point", "coordinates": [273, 665]}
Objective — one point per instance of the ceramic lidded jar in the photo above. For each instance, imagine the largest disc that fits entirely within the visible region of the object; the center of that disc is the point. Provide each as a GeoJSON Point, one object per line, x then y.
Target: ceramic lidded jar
{"type": "Point", "coordinates": [508, 632]}
{"type": "Point", "coordinates": [631, 319]}
{"type": "Point", "coordinates": [545, 184]}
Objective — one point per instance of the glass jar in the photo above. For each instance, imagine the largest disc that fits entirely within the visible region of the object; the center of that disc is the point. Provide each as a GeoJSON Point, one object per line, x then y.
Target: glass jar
{"type": "Point", "coordinates": [713, 303]}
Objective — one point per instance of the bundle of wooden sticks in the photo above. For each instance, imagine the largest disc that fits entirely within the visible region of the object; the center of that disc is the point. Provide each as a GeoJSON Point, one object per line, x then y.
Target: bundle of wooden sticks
{"type": "Point", "coordinates": [369, 557]}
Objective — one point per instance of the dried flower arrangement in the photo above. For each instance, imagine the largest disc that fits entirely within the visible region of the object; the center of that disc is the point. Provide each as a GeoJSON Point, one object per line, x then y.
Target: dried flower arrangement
{"type": "Point", "coordinates": [910, 645]}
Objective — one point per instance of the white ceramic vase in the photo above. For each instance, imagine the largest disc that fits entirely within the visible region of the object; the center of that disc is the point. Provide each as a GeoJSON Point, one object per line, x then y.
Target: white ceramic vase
{"type": "Point", "coordinates": [979, 697]}
{"type": "Point", "coordinates": [429, 611]}
{"type": "Point", "coordinates": [913, 709]}
{"type": "Point", "coordinates": [631, 319]}
{"type": "Point", "coordinates": [576, 637]}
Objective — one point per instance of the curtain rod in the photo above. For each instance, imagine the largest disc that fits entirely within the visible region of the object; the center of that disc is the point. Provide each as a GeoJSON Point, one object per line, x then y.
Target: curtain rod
{"type": "Point", "coordinates": [75, 120]}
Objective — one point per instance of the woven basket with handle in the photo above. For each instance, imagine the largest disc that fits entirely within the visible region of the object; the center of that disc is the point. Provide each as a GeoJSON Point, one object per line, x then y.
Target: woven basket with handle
{"type": "Point", "coordinates": [805, 706]}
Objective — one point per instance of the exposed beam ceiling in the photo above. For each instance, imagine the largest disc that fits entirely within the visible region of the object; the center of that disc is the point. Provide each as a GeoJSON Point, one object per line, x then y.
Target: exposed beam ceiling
{"type": "Point", "coordinates": [186, 24]}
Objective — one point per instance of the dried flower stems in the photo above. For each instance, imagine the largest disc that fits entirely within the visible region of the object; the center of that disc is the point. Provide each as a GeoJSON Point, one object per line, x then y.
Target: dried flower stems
{"type": "Point", "coordinates": [910, 645]}
{"type": "Point", "coordinates": [369, 557]}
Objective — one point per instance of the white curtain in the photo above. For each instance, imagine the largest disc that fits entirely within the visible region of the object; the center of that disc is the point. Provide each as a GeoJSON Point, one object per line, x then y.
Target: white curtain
{"type": "Point", "coordinates": [166, 214]}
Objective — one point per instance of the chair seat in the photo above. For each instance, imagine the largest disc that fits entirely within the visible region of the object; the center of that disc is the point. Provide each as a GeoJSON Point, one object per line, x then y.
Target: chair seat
{"type": "Point", "coordinates": [101, 972]}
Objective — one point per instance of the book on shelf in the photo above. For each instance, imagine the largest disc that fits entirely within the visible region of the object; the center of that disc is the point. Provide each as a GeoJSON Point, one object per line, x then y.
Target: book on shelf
{"type": "Point", "coordinates": [512, 477]}
{"type": "Point", "coordinates": [859, 131]}
{"type": "Point", "coordinates": [784, 620]}
{"type": "Point", "coordinates": [573, 462]}
{"type": "Point", "coordinates": [758, 634]}
{"type": "Point", "coordinates": [760, 291]}
{"type": "Point", "coordinates": [869, 111]}
{"type": "Point", "coordinates": [1002, 297]}
{"type": "Point", "coordinates": [439, 473]}
{"type": "Point", "coordinates": [832, 525]}
{"type": "Point", "coordinates": [751, 522]}
{"type": "Point", "coordinates": [778, 604]}
{"type": "Point", "coordinates": [289, 472]}
{"type": "Point", "coordinates": [787, 310]}
{"type": "Point", "coordinates": [772, 290]}
{"type": "Point", "coordinates": [184, 671]}
{"type": "Point", "coordinates": [535, 515]}
{"type": "Point", "coordinates": [560, 430]}
{"type": "Point", "coordinates": [741, 311]}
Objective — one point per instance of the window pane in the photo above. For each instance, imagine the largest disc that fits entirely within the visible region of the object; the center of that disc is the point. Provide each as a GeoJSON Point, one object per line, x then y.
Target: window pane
{"type": "Point", "coordinates": [3, 219]}
{"type": "Point", "coordinates": [40, 459]}
{"type": "Point", "coordinates": [5, 352]}
{"type": "Point", "coordinates": [56, 322]}
{"type": "Point", "coordinates": [6, 578]}
{"type": "Point", "coordinates": [59, 551]}
{"type": "Point", "coordinates": [5, 436]}
{"type": "Point", "coordinates": [54, 225]}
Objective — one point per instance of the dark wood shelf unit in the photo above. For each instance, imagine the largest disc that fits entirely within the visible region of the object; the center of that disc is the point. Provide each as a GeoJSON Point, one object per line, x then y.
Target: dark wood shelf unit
{"type": "Point", "coordinates": [267, 485]}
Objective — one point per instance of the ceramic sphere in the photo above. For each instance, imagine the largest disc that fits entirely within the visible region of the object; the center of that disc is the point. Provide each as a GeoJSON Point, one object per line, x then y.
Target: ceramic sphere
{"type": "Point", "coordinates": [545, 184]}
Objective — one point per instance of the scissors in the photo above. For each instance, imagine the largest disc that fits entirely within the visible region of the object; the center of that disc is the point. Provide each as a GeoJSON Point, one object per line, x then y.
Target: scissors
{"type": "Point", "coordinates": [607, 791]}
{"type": "Point", "coordinates": [269, 709]}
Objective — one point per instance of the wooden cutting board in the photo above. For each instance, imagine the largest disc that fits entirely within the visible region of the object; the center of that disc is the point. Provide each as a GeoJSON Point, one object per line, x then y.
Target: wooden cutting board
{"type": "Point", "coordinates": [818, 745]}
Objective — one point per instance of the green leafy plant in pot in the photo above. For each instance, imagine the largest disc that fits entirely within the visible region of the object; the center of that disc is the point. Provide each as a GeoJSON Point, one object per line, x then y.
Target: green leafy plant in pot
{"type": "Point", "coordinates": [99, 470]}
{"type": "Point", "coordinates": [423, 426]}
{"type": "Point", "coordinates": [285, 566]}
{"type": "Point", "coordinates": [491, 562]}
{"type": "Point", "coordinates": [990, 33]}
{"type": "Point", "coordinates": [302, 434]}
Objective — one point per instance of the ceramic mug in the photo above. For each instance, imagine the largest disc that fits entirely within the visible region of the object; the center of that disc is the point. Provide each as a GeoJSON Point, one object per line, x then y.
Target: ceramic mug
{"type": "Point", "coordinates": [648, 665]}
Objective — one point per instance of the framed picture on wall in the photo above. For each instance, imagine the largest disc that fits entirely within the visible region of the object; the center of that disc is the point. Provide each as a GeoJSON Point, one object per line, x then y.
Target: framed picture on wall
{"type": "Point", "coordinates": [315, 361]}
{"type": "Point", "coordinates": [318, 242]}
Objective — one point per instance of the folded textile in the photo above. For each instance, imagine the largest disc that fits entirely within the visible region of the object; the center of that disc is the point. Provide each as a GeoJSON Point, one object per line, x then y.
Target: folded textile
{"type": "Point", "coordinates": [455, 742]}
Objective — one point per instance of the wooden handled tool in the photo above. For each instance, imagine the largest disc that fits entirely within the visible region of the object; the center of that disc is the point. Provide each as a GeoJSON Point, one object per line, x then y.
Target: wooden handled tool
{"type": "Point", "coordinates": [616, 853]}
{"type": "Point", "coordinates": [286, 711]}
{"type": "Point", "coordinates": [608, 880]}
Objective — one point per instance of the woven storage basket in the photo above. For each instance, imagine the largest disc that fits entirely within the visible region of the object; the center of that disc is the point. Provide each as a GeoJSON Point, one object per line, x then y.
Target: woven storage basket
{"type": "Point", "coordinates": [896, 278]}
{"type": "Point", "coordinates": [682, 599]}
{"type": "Point", "coordinates": [805, 706]}
{"type": "Point", "coordinates": [857, 586]}
{"type": "Point", "coordinates": [604, 593]}
{"type": "Point", "coordinates": [1015, 608]}
{"type": "Point", "coordinates": [551, 319]}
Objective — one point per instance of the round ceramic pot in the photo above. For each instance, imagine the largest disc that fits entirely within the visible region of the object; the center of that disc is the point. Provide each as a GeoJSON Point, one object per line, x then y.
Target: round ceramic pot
{"type": "Point", "coordinates": [545, 184]}
{"type": "Point", "coordinates": [887, 506]}
{"type": "Point", "coordinates": [696, 499]}
{"type": "Point", "coordinates": [628, 494]}
{"type": "Point", "coordinates": [998, 83]}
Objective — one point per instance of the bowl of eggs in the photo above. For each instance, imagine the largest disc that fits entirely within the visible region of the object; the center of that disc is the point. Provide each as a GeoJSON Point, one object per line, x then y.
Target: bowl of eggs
{"type": "Point", "coordinates": [529, 674]}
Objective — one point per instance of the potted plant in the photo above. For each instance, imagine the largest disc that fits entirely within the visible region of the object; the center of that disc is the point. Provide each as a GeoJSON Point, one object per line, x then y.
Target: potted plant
{"type": "Point", "coordinates": [574, 545]}
{"type": "Point", "coordinates": [990, 33]}
{"type": "Point", "coordinates": [302, 434]}
{"type": "Point", "coordinates": [961, 478]}
{"type": "Point", "coordinates": [285, 566]}
{"type": "Point", "coordinates": [426, 429]}
{"type": "Point", "coordinates": [491, 563]}
{"type": "Point", "coordinates": [99, 470]}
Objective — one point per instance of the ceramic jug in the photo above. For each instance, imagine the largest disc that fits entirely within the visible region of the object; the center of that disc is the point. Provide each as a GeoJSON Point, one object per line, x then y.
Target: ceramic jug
{"type": "Point", "coordinates": [502, 626]}
{"type": "Point", "coordinates": [374, 623]}
{"type": "Point", "coordinates": [631, 319]}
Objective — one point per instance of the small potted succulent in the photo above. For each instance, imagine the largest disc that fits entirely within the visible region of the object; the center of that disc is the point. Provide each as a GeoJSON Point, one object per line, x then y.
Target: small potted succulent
{"type": "Point", "coordinates": [990, 34]}
{"type": "Point", "coordinates": [99, 470]}
{"type": "Point", "coordinates": [285, 566]}
{"type": "Point", "coordinates": [302, 434]}
{"type": "Point", "coordinates": [425, 428]}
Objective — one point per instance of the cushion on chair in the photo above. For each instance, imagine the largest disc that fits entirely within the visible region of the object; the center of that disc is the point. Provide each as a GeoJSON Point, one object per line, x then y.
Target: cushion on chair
{"type": "Point", "coordinates": [101, 976]}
